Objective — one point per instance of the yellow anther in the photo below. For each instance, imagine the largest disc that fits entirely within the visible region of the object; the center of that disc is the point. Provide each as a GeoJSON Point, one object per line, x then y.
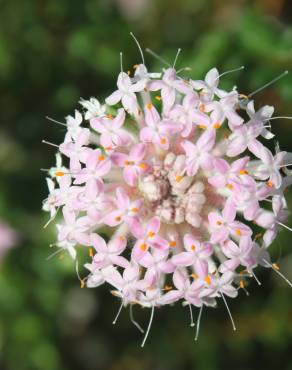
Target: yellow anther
{"type": "Point", "coordinates": [143, 247]}
{"type": "Point", "coordinates": [241, 284]}
{"type": "Point", "coordinates": [90, 252]}
{"type": "Point", "coordinates": [238, 232]}
{"type": "Point", "coordinates": [216, 126]}
{"type": "Point", "coordinates": [219, 223]}
{"type": "Point", "coordinates": [167, 287]}
{"type": "Point", "coordinates": [243, 172]}
{"type": "Point", "coordinates": [82, 284]}
{"type": "Point", "coordinates": [194, 276]}
{"type": "Point", "coordinates": [203, 127]}
{"type": "Point", "coordinates": [275, 266]}
{"type": "Point", "coordinates": [193, 248]}
{"type": "Point", "coordinates": [157, 97]}
{"type": "Point", "coordinates": [143, 166]}
{"type": "Point", "coordinates": [202, 108]}
{"type": "Point", "coordinates": [208, 279]}
{"type": "Point", "coordinates": [172, 243]}
{"type": "Point", "coordinates": [59, 173]}
{"type": "Point", "coordinates": [229, 186]}
{"type": "Point", "coordinates": [178, 178]}
{"type": "Point", "coordinates": [101, 158]}
{"type": "Point", "coordinates": [150, 234]}
{"type": "Point", "coordinates": [149, 106]}
{"type": "Point", "coordinates": [109, 116]}
{"type": "Point", "coordinates": [135, 210]}
{"type": "Point", "coordinates": [162, 141]}
{"type": "Point", "coordinates": [128, 163]}
{"type": "Point", "coordinates": [270, 184]}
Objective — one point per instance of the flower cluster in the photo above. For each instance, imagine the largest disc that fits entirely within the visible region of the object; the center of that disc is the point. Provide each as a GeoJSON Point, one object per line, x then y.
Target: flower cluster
{"type": "Point", "coordinates": [174, 172]}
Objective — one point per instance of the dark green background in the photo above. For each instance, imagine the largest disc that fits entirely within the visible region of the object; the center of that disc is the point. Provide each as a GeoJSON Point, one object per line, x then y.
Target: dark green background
{"type": "Point", "coordinates": [52, 52]}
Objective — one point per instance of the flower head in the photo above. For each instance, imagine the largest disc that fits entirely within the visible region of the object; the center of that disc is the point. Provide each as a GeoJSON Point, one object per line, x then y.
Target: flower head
{"type": "Point", "coordinates": [173, 170]}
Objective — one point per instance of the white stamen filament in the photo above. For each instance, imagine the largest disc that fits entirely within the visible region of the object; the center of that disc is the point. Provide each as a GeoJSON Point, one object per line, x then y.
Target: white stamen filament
{"type": "Point", "coordinates": [121, 61]}
{"type": "Point", "coordinates": [134, 321]}
{"type": "Point", "coordinates": [268, 84]}
{"type": "Point", "coordinates": [151, 52]}
{"type": "Point", "coordinates": [192, 324]}
{"type": "Point", "coordinates": [53, 120]}
{"type": "Point", "coordinates": [230, 71]}
{"type": "Point", "coordinates": [118, 314]}
{"type": "Point", "coordinates": [285, 226]}
{"type": "Point", "coordinates": [198, 323]}
{"type": "Point", "coordinates": [255, 277]}
{"type": "Point", "coordinates": [279, 273]}
{"type": "Point", "coordinates": [49, 143]}
{"type": "Point", "coordinates": [278, 117]}
{"type": "Point", "coordinates": [149, 327]}
{"type": "Point", "coordinates": [54, 253]}
{"type": "Point", "coordinates": [175, 59]}
{"type": "Point", "coordinates": [228, 310]}
{"type": "Point", "coordinates": [139, 47]}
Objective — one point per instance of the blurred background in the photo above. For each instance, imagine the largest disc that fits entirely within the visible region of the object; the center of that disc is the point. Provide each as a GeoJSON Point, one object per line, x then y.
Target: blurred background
{"type": "Point", "coordinates": [52, 52]}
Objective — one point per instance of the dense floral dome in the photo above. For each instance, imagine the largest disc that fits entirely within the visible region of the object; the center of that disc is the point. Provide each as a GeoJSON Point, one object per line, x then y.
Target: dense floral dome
{"type": "Point", "coordinates": [175, 173]}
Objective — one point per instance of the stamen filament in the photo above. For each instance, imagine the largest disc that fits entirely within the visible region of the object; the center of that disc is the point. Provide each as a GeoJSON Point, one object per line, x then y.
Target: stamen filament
{"type": "Point", "coordinates": [149, 327]}
{"type": "Point", "coordinates": [228, 310]}
{"type": "Point", "coordinates": [268, 84]}
{"type": "Point", "coordinates": [134, 321]}
{"type": "Point", "coordinates": [151, 52]}
{"type": "Point", "coordinates": [118, 314]}
{"type": "Point", "coordinates": [198, 323]}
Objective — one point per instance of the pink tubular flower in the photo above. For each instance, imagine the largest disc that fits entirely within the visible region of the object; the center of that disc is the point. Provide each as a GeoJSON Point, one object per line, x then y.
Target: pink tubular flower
{"type": "Point", "coordinates": [176, 176]}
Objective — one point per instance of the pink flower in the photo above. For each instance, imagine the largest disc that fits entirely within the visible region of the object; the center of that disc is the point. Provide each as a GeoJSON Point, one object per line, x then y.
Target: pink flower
{"type": "Point", "coordinates": [126, 93]}
{"type": "Point", "coordinates": [157, 131]}
{"type": "Point", "coordinates": [132, 163]}
{"type": "Point", "coordinates": [127, 210]}
{"type": "Point", "coordinates": [223, 224]}
{"type": "Point", "coordinates": [148, 238]}
{"type": "Point", "coordinates": [198, 155]}
{"type": "Point", "coordinates": [112, 133]}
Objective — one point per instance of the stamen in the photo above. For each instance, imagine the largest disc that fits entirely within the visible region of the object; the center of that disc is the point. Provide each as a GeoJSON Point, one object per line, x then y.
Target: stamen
{"type": "Point", "coordinates": [219, 223]}
{"type": "Point", "coordinates": [150, 234]}
{"type": "Point", "coordinates": [194, 276]}
{"type": "Point", "coordinates": [228, 310]}
{"type": "Point", "coordinates": [143, 247]}
{"type": "Point", "coordinates": [285, 226]}
{"type": "Point", "coordinates": [59, 173]}
{"type": "Point", "coordinates": [243, 172]}
{"type": "Point", "coordinates": [135, 210]}
{"type": "Point", "coordinates": [53, 120]}
{"type": "Point", "coordinates": [270, 184]}
{"type": "Point", "coordinates": [151, 52]}
{"type": "Point", "coordinates": [230, 71]}
{"type": "Point", "coordinates": [143, 166]}
{"type": "Point", "coordinates": [157, 97]}
{"type": "Point", "coordinates": [101, 158]}
{"type": "Point", "coordinates": [149, 327]}
{"type": "Point", "coordinates": [139, 47]}
{"type": "Point", "coordinates": [238, 232]}
{"type": "Point", "coordinates": [172, 243]}
{"type": "Point", "coordinates": [275, 267]}
{"type": "Point", "coordinates": [175, 59]}
{"type": "Point", "coordinates": [255, 277]}
{"type": "Point", "coordinates": [49, 143]}
{"type": "Point", "coordinates": [162, 141]}
{"type": "Point", "coordinates": [51, 219]}
{"type": "Point", "coordinates": [216, 126]}
{"type": "Point", "coordinates": [118, 218]}
{"type": "Point", "coordinates": [268, 84]}
{"type": "Point", "coordinates": [193, 248]}
{"type": "Point", "coordinates": [118, 314]}
{"type": "Point", "coordinates": [149, 106]}
{"type": "Point", "coordinates": [192, 324]}
{"type": "Point", "coordinates": [90, 252]}
{"type": "Point", "coordinates": [178, 178]}
{"type": "Point", "coordinates": [207, 279]}
{"type": "Point", "coordinates": [134, 321]}
{"type": "Point", "coordinates": [121, 61]}
{"type": "Point", "coordinates": [54, 254]}
{"type": "Point", "coordinates": [198, 323]}
{"type": "Point", "coordinates": [279, 117]}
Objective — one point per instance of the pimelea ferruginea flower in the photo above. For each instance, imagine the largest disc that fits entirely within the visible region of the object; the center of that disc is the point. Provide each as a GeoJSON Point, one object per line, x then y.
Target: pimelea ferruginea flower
{"type": "Point", "coordinates": [176, 173]}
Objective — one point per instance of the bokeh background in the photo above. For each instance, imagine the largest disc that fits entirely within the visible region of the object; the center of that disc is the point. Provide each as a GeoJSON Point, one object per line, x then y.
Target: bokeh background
{"type": "Point", "coordinates": [52, 52]}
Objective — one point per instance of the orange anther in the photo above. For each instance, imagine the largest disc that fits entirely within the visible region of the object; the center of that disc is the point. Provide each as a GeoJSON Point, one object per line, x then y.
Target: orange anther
{"type": "Point", "coordinates": [135, 210]}
{"type": "Point", "coordinates": [219, 223]}
{"type": "Point", "coordinates": [59, 173]}
{"type": "Point", "coordinates": [229, 186]}
{"type": "Point", "coordinates": [151, 234]}
{"type": "Point", "coordinates": [82, 284]}
{"type": "Point", "coordinates": [90, 252]}
{"type": "Point", "coordinates": [216, 126]}
{"type": "Point", "coordinates": [178, 178]}
{"type": "Point", "coordinates": [172, 243]}
{"type": "Point", "coordinates": [167, 287]}
{"type": "Point", "coordinates": [243, 172]}
{"type": "Point", "coordinates": [241, 284]}
{"type": "Point", "coordinates": [194, 276]}
{"type": "Point", "coordinates": [162, 141]}
{"type": "Point", "coordinates": [118, 218]}
{"type": "Point", "coordinates": [109, 116]}
{"type": "Point", "coordinates": [275, 266]}
{"type": "Point", "coordinates": [208, 279]}
{"type": "Point", "coordinates": [270, 184]}
{"type": "Point", "coordinates": [149, 106]}
{"type": "Point", "coordinates": [101, 158]}
{"type": "Point", "coordinates": [143, 247]}
{"type": "Point", "coordinates": [157, 97]}
{"type": "Point", "coordinates": [143, 166]}
{"type": "Point", "coordinates": [193, 248]}
{"type": "Point", "coordinates": [238, 232]}
{"type": "Point", "coordinates": [202, 108]}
